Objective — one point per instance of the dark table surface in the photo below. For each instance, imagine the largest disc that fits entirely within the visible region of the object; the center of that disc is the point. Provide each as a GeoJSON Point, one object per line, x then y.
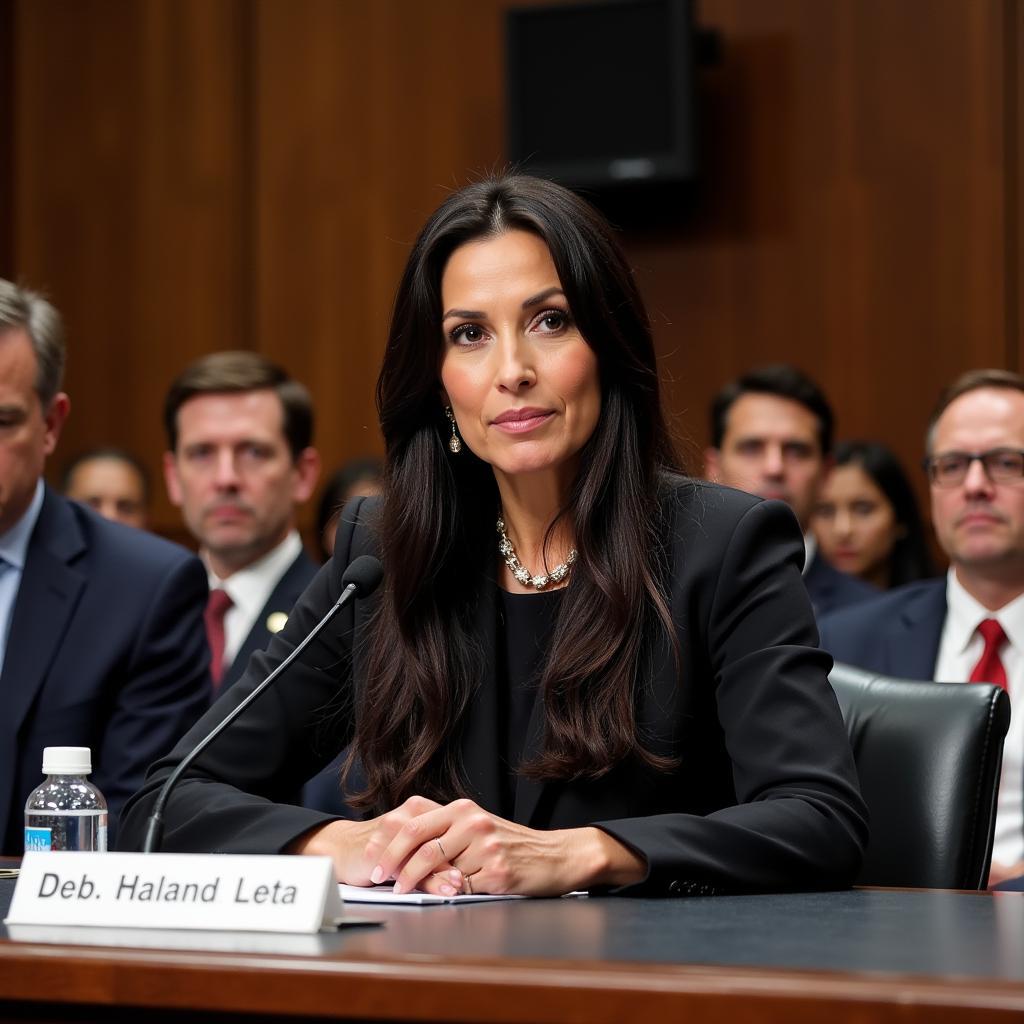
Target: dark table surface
{"type": "Point", "coordinates": [925, 933]}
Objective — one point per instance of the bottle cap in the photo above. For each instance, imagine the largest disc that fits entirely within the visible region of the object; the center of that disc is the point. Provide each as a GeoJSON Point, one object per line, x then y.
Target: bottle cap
{"type": "Point", "coordinates": [67, 761]}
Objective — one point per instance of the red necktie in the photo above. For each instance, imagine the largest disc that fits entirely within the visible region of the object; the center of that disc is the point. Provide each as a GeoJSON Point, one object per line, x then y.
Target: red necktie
{"type": "Point", "coordinates": [216, 608]}
{"type": "Point", "coordinates": [990, 667]}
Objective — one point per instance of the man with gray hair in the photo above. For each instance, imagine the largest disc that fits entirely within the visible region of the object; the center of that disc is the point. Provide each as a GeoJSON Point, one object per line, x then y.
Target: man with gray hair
{"type": "Point", "coordinates": [969, 625]}
{"type": "Point", "coordinates": [101, 633]}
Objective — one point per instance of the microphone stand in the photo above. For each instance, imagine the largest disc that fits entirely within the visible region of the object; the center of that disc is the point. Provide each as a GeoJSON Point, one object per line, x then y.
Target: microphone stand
{"type": "Point", "coordinates": [155, 824]}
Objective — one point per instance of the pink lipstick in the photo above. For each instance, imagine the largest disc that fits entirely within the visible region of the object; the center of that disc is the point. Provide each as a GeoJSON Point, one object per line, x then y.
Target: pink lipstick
{"type": "Point", "coordinates": [521, 421]}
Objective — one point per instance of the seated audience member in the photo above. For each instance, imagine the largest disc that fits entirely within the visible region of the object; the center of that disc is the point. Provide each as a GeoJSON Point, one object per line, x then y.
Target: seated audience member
{"type": "Point", "coordinates": [357, 477]}
{"type": "Point", "coordinates": [969, 625]}
{"type": "Point", "coordinates": [101, 633]}
{"type": "Point", "coordinates": [239, 464]}
{"type": "Point", "coordinates": [582, 669]}
{"type": "Point", "coordinates": [867, 521]}
{"type": "Point", "coordinates": [771, 435]}
{"type": "Point", "coordinates": [113, 482]}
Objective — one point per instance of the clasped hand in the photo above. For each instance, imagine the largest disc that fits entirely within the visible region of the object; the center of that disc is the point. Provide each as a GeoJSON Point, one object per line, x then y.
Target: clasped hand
{"type": "Point", "coordinates": [461, 848]}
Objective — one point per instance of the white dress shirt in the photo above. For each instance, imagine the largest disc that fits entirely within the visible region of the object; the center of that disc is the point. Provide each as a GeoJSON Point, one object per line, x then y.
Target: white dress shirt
{"type": "Point", "coordinates": [959, 650]}
{"type": "Point", "coordinates": [13, 550]}
{"type": "Point", "coordinates": [250, 589]}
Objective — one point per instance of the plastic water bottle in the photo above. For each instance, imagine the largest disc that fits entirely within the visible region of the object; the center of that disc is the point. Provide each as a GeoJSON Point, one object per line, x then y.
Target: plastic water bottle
{"type": "Point", "coordinates": [66, 812]}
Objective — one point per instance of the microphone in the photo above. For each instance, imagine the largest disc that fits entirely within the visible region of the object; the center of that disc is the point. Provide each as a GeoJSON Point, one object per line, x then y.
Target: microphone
{"type": "Point", "coordinates": [360, 580]}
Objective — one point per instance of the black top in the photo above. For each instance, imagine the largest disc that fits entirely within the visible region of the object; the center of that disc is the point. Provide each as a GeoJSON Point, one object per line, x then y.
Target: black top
{"type": "Point", "coordinates": [763, 793]}
{"type": "Point", "coordinates": [526, 625]}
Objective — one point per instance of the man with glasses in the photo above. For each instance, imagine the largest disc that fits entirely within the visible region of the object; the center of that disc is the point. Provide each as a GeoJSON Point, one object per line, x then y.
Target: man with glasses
{"type": "Point", "coordinates": [969, 626]}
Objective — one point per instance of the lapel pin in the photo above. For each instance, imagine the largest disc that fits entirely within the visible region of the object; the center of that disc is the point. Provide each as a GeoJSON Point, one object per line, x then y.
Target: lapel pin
{"type": "Point", "coordinates": [276, 621]}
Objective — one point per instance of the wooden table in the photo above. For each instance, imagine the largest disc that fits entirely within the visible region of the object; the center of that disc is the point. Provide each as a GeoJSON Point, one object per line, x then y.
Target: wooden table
{"type": "Point", "coordinates": [867, 955]}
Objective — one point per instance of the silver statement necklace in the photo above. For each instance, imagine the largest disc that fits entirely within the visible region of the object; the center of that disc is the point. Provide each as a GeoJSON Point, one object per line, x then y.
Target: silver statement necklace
{"type": "Point", "coordinates": [520, 571]}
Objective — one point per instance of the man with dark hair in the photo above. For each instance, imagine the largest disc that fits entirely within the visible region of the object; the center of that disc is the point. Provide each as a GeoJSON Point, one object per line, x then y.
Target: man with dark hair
{"type": "Point", "coordinates": [239, 463]}
{"type": "Point", "coordinates": [101, 638]}
{"type": "Point", "coordinates": [112, 481]}
{"type": "Point", "coordinates": [968, 626]}
{"type": "Point", "coordinates": [771, 435]}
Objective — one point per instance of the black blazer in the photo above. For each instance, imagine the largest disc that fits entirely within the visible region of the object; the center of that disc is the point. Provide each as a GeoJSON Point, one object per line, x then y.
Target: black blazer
{"type": "Point", "coordinates": [289, 589]}
{"type": "Point", "coordinates": [106, 650]}
{"type": "Point", "coordinates": [765, 795]}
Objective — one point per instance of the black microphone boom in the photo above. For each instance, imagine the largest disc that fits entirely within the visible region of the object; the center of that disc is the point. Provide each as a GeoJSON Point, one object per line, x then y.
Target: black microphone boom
{"type": "Point", "coordinates": [360, 580]}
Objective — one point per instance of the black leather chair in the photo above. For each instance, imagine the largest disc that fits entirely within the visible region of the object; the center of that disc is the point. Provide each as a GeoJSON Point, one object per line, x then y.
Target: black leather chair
{"type": "Point", "coordinates": [928, 756]}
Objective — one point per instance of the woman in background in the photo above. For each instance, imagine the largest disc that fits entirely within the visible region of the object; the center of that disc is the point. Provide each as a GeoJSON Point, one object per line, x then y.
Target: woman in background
{"type": "Point", "coordinates": [357, 477]}
{"type": "Point", "coordinates": [582, 670]}
{"type": "Point", "coordinates": [867, 521]}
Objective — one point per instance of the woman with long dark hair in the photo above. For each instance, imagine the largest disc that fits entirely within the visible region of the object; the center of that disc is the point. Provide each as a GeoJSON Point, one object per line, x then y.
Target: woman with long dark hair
{"type": "Point", "coordinates": [867, 520]}
{"type": "Point", "coordinates": [583, 669]}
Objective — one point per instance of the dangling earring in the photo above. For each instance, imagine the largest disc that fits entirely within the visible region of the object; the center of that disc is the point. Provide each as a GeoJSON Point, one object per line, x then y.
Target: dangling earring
{"type": "Point", "coordinates": [454, 442]}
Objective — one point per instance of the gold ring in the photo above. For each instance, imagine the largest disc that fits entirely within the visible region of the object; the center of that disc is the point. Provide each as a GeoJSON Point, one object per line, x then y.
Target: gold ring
{"type": "Point", "coordinates": [441, 848]}
{"type": "Point", "coordinates": [468, 883]}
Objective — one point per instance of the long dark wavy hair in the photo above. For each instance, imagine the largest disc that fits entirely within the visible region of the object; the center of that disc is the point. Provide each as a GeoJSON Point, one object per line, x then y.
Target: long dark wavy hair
{"type": "Point", "coordinates": [909, 559]}
{"type": "Point", "coordinates": [436, 521]}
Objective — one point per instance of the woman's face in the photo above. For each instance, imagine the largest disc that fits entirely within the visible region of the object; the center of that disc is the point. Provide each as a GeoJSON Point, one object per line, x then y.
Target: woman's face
{"type": "Point", "coordinates": [521, 380]}
{"type": "Point", "coordinates": [854, 522]}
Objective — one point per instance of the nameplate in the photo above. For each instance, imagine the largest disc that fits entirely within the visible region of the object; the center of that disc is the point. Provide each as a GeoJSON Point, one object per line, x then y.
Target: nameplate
{"type": "Point", "coordinates": [215, 892]}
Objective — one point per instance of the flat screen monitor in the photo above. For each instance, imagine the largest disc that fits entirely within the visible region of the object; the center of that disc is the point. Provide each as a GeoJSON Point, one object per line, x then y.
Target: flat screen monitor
{"type": "Point", "coordinates": [601, 94]}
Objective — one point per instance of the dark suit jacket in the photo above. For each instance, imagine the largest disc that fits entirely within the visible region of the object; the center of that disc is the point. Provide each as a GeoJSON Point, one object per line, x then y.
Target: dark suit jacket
{"type": "Point", "coordinates": [106, 650]}
{"type": "Point", "coordinates": [282, 598]}
{"type": "Point", "coordinates": [896, 633]}
{"type": "Point", "coordinates": [830, 589]}
{"type": "Point", "coordinates": [764, 796]}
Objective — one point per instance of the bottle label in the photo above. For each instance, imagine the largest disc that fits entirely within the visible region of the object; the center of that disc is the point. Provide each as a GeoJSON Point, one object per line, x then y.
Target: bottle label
{"type": "Point", "coordinates": [37, 839]}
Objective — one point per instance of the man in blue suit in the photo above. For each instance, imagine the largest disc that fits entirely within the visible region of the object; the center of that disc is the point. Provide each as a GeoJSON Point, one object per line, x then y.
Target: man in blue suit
{"type": "Point", "coordinates": [101, 639]}
{"type": "Point", "coordinates": [771, 435]}
{"type": "Point", "coordinates": [239, 463]}
{"type": "Point", "coordinates": [968, 626]}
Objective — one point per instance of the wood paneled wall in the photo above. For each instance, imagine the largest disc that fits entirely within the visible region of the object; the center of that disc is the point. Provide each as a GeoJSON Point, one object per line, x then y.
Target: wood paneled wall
{"type": "Point", "coordinates": [188, 175]}
{"type": "Point", "coordinates": [6, 138]}
{"type": "Point", "coordinates": [856, 214]}
{"type": "Point", "coordinates": [133, 199]}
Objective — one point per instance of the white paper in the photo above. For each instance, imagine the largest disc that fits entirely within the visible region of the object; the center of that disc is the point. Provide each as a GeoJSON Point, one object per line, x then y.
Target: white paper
{"type": "Point", "coordinates": [386, 894]}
